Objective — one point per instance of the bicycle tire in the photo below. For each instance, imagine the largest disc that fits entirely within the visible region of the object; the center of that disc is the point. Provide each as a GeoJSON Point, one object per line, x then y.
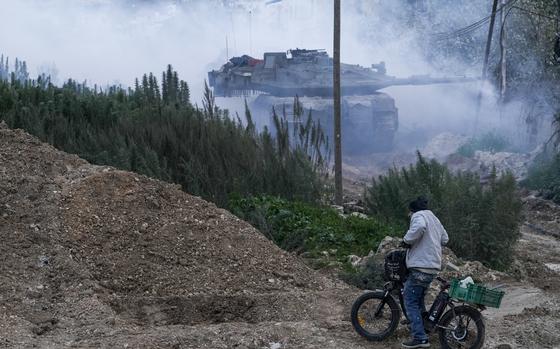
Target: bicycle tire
{"type": "Point", "coordinates": [470, 312]}
{"type": "Point", "coordinates": [395, 315]}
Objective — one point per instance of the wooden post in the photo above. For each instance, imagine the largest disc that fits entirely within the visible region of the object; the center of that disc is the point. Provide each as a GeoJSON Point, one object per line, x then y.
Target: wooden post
{"type": "Point", "coordinates": [485, 63]}
{"type": "Point", "coordinates": [489, 40]}
{"type": "Point", "coordinates": [503, 49]}
{"type": "Point", "coordinates": [337, 111]}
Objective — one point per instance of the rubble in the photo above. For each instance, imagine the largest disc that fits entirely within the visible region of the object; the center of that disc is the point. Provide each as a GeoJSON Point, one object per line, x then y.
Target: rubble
{"type": "Point", "coordinates": [442, 145]}
{"type": "Point", "coordinates": [468, 268]}
{"type": "Point", "coordinates": [484, 162]}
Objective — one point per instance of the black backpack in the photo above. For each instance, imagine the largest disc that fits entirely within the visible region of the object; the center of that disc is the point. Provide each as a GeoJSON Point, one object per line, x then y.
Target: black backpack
{"type": "Point", "coordinates": [395, 266]}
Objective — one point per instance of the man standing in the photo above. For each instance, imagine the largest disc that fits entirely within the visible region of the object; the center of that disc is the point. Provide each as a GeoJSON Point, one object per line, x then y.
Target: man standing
{"type": "Point", "coordinates": [425, 237]}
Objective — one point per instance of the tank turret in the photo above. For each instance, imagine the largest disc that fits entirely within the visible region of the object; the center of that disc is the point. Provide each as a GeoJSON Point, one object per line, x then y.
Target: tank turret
{"type": "Point", "coordinates": [306, 73]}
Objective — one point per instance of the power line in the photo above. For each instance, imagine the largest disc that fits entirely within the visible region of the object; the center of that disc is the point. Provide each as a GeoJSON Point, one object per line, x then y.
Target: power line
{"type": "Point", "coordinates": [472, 27]}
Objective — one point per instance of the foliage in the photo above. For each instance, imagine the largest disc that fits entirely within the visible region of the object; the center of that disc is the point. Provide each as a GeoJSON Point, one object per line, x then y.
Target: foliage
{"type": "Point", "coordinates": [153, 129]}
{"type": "Point", "coordinates": [301, 227]}
{"type": "Point", "coordinates": [482, 219]}
{"type": "Point", "coordinates": [491, 141]}
{"type": "Point", "coordinates": [544, 176]}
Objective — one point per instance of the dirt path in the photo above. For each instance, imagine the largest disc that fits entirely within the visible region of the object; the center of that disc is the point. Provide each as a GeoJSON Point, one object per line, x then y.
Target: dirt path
{"type": "Point", "coordinates": [530, 312]}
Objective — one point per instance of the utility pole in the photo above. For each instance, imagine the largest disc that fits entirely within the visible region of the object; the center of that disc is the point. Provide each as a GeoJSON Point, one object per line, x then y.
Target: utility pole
{"type": "Point", "coordinates": [503, 50]}
{"type": "Point", "coordinates": [336, 96]}
{"type": "Point", "coordinates": [489, 40]}
{"type": "Point", "coordinates": [557, 43]}
{"type": "Point", "coordinates": [485, 63]}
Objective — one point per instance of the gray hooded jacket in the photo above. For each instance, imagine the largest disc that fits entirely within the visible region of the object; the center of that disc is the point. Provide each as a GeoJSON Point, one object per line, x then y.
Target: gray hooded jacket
{"type": "Point", "coordinates": [426, 236]}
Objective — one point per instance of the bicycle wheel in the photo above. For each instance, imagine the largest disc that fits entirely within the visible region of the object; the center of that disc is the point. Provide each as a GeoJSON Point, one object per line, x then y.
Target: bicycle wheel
{"type": "Point", "coordinates": [374, 316]}
{"type": "Point", "coordinates": [462, 328]}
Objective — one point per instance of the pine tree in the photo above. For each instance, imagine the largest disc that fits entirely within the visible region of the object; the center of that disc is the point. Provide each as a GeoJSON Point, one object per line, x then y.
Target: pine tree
{"type": "Point", "coordinates": [164, 89]}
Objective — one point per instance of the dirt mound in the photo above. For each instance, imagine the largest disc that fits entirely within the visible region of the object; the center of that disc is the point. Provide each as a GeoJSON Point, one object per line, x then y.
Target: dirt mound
{"type": "Point", "coordinates": [87, 248]}
{"type": "Point", "coordinates": [141, 236]}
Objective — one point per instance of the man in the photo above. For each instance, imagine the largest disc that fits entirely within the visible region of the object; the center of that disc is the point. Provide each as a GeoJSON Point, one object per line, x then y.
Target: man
{"type": "Point", "coordinates": [425, 237]}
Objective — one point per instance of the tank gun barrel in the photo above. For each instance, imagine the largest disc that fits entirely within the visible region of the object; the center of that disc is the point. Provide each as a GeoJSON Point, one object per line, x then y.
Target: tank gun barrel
{"type": "Point", "coordinates": [416, 80]}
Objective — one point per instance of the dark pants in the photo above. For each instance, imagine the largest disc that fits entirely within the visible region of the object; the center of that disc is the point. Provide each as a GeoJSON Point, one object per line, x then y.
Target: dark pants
{"type": "Point", "coordinates": [414, 291]}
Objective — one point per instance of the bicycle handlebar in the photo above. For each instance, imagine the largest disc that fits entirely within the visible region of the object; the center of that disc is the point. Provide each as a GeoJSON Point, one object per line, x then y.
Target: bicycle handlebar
{"type": "Point", "coordinates": [444, 284]}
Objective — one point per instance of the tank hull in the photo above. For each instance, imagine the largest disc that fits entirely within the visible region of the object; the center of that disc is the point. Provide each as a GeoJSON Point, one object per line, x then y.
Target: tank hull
{"type": "Point", "coordinates": [369, 123]}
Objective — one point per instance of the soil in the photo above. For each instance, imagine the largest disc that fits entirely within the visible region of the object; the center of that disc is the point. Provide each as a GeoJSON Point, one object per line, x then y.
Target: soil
{"type": "Point", "coordinates": [94, 257]}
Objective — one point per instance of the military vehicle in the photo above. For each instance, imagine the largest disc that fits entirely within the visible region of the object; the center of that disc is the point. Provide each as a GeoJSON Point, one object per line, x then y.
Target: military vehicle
{"type": "Point", "coordinates": [368, 115]}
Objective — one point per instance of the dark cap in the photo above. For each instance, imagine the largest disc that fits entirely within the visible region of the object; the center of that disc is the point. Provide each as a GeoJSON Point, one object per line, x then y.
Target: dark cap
{"type": "Point", "coordinates": [421, 203]}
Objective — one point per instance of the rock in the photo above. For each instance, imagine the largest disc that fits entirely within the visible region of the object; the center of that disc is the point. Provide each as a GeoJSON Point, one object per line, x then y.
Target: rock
{"type": "Point", "coordinates": [359, 215]}
{"type": "Point", "coordinates": [387, 244]}
{"type": "Point", "coordinates": [354, 260]}
{"type": "Point", "coordinates": [518, 270]}
{"type": "Point", "coordinates": [353, 206]}
{"type": "Point", "coordinates": [338, 208]}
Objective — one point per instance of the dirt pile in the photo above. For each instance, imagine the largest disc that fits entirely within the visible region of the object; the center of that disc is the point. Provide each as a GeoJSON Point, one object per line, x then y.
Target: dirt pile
{"type": "Point", "coordinates": [88, 250]}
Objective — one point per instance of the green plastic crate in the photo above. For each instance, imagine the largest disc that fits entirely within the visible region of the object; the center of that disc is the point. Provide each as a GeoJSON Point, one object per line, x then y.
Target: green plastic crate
{"type": "Point", "coordinates": [457, 292]}
{"type": "Point", "coordinates": [476, 294]}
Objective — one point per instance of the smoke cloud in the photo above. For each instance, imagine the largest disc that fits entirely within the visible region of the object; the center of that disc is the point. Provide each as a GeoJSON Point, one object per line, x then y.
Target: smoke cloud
{"type": "Point", "coordinates": [108, 42]}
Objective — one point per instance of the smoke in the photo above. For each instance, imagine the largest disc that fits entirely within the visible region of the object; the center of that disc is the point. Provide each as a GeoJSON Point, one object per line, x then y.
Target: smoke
{"type": "Point", "coordinates": [104, 41]}
{"type": "Point", "coordinates": [112, 42]}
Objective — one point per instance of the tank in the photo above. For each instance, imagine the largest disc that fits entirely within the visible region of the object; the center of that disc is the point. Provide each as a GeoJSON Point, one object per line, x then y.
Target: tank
{"type": "Point", "coordinates": [369, 115]}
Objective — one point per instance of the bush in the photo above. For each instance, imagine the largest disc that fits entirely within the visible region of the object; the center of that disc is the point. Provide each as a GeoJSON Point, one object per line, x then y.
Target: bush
{"type": "Point", "coordinates": [490, 141]}
{"type": "Point", "coordinates": [544, 176]}
{"type": "Point", "coordinates": [301, 227]}
{"type": "Point", "coordinates": [482, 220]}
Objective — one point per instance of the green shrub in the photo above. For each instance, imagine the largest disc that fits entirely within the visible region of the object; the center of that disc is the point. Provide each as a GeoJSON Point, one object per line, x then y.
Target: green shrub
{"type": "Point", "coordinates": [490, 141]}
{"type": "Point", "coordinates": [544, 176]}
{"type": "Point", "coordinates": [302, 227]}
{"type": "Point", "coordinates": [482, 220]}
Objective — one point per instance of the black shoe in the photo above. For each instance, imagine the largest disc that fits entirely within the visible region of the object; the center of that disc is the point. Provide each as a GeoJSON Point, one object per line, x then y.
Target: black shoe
{"type": "Point", "coordinates": [415, 343]}
{"type": "Point", "coordinates": [405, 322]}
